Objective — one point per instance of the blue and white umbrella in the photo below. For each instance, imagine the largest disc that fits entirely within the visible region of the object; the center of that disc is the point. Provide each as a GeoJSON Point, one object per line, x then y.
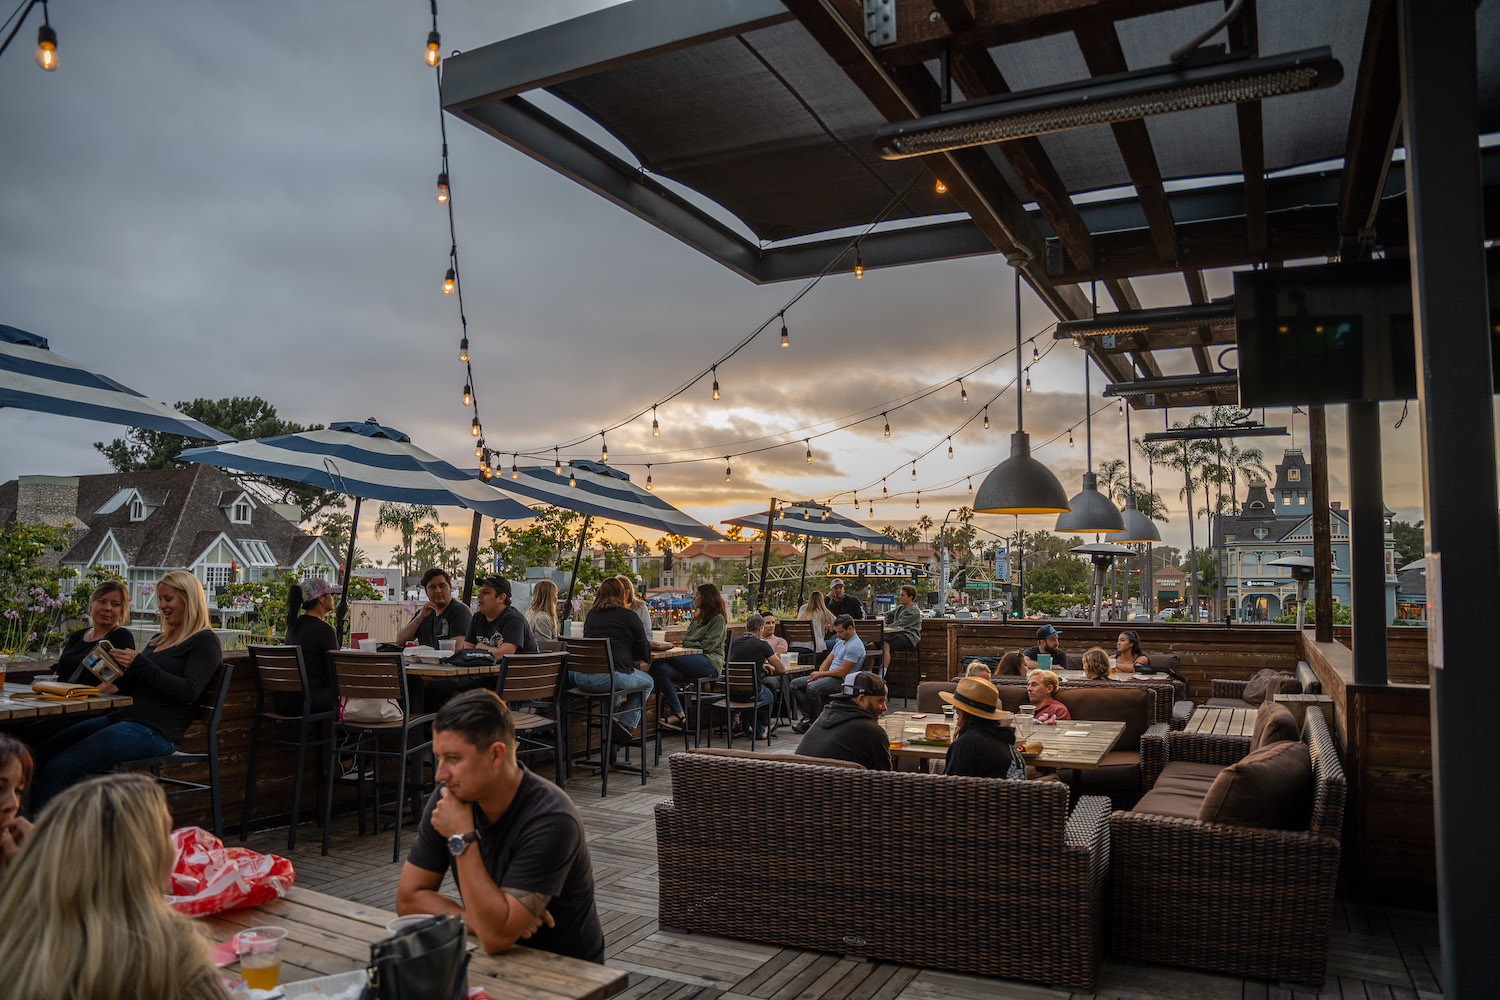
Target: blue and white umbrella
{"type": "Point", "coordinates": [599, 490]}
{"type": "Point", "coordinates": [34, 378]}
{"type": "Point", "coordinates": [811, 519]}
{"type": "Point", "coordinates": [366, 461]}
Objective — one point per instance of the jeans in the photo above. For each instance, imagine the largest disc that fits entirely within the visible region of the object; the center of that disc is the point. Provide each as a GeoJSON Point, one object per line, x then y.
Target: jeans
{"type": "Point", "coordinates": [669, 673]}
{"type": "Point", "coordinates": [91, 747]}
{"type": "Point", "coordinates": [632, 688]}
{"type": "Point", "coordinates": [810, 695]}
{"type": "Point", "coordinates": [764, 699]}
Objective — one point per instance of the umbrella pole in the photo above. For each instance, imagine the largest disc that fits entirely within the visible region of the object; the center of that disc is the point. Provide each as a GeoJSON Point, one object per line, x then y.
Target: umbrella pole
{"type": "Point", "coordinates": [577, 558]}
{"type": "Point", "coordinates": [343, 609]}
{"type": "Point", "coordinates": [765, 557]}
{"type": "Point", "coordinates": [473, 557]}
{"type": "Point", "coordinates": [802, 583]}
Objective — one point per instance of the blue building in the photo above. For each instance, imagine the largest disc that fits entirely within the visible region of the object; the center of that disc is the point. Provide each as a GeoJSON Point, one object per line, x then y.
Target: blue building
{"type": "Point", "coordinates": [1279, 523]}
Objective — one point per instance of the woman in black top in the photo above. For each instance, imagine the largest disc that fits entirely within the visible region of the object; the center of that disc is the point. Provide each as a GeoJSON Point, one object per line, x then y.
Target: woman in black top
{"type": "Point", "coordinates": [163, 680]}
{"type": "Point", "coordinates": [982, 747]}
{"type": "Point", "coordinates": [610, 619]}
{"type": "Point", "coordinates": [109, 610]}
{"type": "Point", "coordinates": [307, 606]}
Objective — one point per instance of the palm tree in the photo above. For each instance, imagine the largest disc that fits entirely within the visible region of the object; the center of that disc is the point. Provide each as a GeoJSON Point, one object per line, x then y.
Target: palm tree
{"type": "Point", "coordinates": [404, 517]}
{"type": "Point", "coordinates": [1188, 456]}
{"type": "Point", "coordinates": [924, 524]}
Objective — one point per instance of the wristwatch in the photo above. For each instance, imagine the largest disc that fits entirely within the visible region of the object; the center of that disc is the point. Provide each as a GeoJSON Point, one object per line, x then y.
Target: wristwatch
{"type": "Point", "coordinates": [459, 842]}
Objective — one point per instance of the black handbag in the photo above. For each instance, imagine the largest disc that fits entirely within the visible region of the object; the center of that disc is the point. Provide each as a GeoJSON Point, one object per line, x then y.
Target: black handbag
{"type": "Point", "coordinates": [471, 656]}
{"type": "Point", "coordinates": [427, 962]}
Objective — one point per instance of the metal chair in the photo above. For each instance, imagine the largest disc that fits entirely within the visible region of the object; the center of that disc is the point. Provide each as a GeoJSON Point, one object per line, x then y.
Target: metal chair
{"type": "Point", "coordinates": [535, 680]}
{"type": "Point", "coordinates": [282, 668]}
{"type": "Point", "coordinates": [739, 680]}
{"type": "Point", "coordinates": [595, 656]}
{"type": "Point", "coordinates": [210, 709]}
{"type": "Point", "coordinates": [871, 632]}
{"type": "Point", "coordinates": [379, 676]}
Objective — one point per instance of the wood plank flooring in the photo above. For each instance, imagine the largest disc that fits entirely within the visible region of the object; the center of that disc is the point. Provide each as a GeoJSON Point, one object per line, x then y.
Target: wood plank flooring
{"type": "Point", "coordinates": [1376, 953]}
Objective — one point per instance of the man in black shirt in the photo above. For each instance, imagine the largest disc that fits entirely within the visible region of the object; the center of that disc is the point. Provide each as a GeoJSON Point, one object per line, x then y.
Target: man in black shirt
{"type": "Point", "coordinates": [841, 604]}
{"type": "Point", "coordinates": [849, 728]}
{"type": "Point", "coordinates": [440, 618]}
{"type": "Point", "coordinates": [498, 624]}
{"type": "Point", "coordinates": [515, 842]}
{"type": "Point", "coordinates": [752, 647]}
{"type": "Point", "coordinates": [1048, 641]}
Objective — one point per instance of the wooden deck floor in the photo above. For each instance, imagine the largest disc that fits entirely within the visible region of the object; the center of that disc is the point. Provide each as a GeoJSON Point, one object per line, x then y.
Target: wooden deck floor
{"type": "Point", "coordinates": [1376, 952]}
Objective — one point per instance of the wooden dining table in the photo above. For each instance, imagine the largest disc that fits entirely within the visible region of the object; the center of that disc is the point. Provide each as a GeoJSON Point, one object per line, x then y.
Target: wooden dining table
{"type": "Point", "coordinates": [327, 936]}
{"type": "Point", "coordinates": [1079, 745]}
{"type": "Point", "coordinates": [20, 709]}
{"type": "Point", "coordinates": [667, 654]}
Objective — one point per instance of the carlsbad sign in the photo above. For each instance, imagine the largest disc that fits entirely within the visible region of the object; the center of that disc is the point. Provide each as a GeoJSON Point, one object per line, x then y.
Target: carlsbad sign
{"type": "Point", "coordinates": [903, 569]}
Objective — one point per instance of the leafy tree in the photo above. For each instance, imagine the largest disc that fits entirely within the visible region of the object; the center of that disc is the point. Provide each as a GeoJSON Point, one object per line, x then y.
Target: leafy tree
{"type": "Point", "coordinates": [1410, 541]}
{"type": "Point", "coordinates": [405, 518]}
{"type": "Point", "coordinates": [265, 601]}
{"type": "Point", "coordinates": [924, 525]}
{"type": "Point", "coordinates": [733, 532]}
{"type": "Point", "coordinates": [1059, 575]}
{"type": "Point", "coordinates": [34, 596]}
{"type": "Point", "coordinates": [431, 548]}
{"type": "Point", "coordinates": [1342, 615]}
{"type": "Point", "coordinates": [241, 417]}
{"type": "Point", "coordinates": [333, 526]}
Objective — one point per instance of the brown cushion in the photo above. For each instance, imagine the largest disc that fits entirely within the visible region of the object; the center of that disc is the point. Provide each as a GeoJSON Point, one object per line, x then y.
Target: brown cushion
{"type": "Point", "coordinates": [1189, 773]}
{"type": "Point", "coordinates": [1228, 703]}
{"type": "Point", "coordinates": [1270, 682]}
{"type": "Point", "coordinates": [1178, 803]}
{"type": "Point", "coordinates": [779, 758]}
{"type": "Point", "coordinates": [1273, 724]}
{"type": "Point", "coordinates": [1270, 787]}
{"type": "Point", "coordinates": [927, 695]}
{"type": "Point", "coordinates": [1130, 705]}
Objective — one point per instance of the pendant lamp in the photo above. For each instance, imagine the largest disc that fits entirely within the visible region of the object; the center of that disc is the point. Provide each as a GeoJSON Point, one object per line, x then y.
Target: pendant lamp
{"type": "Point", "coordinates": [1090, 510]}
{"type": "Point", "coordinates": [1138, 527]}
{"type": "Point", "coordinates": [1020, 484]}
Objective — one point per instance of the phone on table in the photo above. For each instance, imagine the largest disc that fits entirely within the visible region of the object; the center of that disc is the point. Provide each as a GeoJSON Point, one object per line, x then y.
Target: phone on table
{"type": "Point", "coordinates": [98, 662]}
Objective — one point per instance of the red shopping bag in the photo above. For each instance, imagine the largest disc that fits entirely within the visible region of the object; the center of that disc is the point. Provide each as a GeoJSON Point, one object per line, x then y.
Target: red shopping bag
{"type": "Point", "coordinates": [209, 878]}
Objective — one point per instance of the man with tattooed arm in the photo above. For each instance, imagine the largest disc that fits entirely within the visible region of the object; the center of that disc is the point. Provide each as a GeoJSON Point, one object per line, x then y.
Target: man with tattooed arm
{"type": "Point", "coordinates": [514, 840]}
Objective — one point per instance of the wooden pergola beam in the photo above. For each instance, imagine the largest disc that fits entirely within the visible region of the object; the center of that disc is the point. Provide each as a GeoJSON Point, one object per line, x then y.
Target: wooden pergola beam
{"type": "Point", "coordinates": [1374, 123]}
{"type": "Point", "coordinates": [1245, 38]}
{"type": "Point", "coordinates": [1198, 295]}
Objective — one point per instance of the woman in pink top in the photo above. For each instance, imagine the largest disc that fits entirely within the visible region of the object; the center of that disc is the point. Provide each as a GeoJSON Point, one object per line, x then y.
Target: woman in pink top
{"type": "Point", "coordinates": [1041, 685]}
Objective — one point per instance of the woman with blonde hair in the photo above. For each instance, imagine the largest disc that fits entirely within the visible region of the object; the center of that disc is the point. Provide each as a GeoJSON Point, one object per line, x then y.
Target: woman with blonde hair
{"type": "Point", "coordinates": [634, 603]}
{"type": "Point", "coordinates": [99, 861]}
{"type": "Point", "coordinates": [163, 680]}
{"type": "Point", "coordinates": [109, 613]}
{"type": "Point", "coordinates": [541, 614]}
{"type": "Point", "coordinates": [816, 611]}
{"type": "Point", "coordinates": [1096, 664]}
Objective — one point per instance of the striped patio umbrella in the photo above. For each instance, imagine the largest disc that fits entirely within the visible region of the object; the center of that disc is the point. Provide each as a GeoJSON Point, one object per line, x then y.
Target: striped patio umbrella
{"type": "Point", "coordinates": [363, 460]}
{"type": "Point", "coordinates": [814, 520]}
{"type": "Point", "coordinates": [34, 378]}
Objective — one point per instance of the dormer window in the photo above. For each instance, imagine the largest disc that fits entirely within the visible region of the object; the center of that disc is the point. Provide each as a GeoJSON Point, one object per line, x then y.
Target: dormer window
{"type": "Point", "coordinates": [137, 509]}
{"type": "Point", "coordinates": [240, 512]}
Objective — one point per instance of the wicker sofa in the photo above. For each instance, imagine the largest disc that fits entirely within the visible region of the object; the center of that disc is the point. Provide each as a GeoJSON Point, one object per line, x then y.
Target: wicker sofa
{"type": "Point", "coordinates": [1242, 900]}
{"type": "Point", "coordinates": [886, 865]}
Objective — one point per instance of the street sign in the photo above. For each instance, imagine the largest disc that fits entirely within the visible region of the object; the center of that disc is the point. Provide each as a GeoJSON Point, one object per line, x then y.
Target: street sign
{"type": "Point", "coordinates": [1002, 563]}
{"type": "Point", "coordinates": [887, 569]}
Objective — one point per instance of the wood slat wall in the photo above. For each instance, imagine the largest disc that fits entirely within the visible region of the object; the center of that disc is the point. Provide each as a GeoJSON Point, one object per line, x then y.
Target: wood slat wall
{"type": "Point", "coordinates": [1405, 652]}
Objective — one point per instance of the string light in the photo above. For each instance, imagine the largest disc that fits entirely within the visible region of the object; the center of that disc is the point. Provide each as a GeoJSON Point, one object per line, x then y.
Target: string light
{"type": "Point", "coordinates": [442, 188]}
{"type": "Point", "coordinates": [872, 510]}
{"type": "Point", "coordinates": [1122, 407]}
{"type": "Point", "coordinates": [859, 265]}
{"type": "Point", "coordinates": [715, 370]}
{"type": "Point", "coordinates": [655, 427]}
{"type": "Point", "coordinates": [603, 448]}
{"type": "Point", "coordinates": [1035, 356]}
{"type": "Point", "coordinates": [556, 463]}
{"type": "Point", "coordinates": [479, 449]}
{"type": "Point", "coordinates": [434, 43]}
{"type": "Point", "coordinates": [940, 187]}
{"type": "Point", "coordinates": [963, 394]}
{"type": "Point", "coordinates": [950, 447]}
{"type": "Point", "coordinates": [515, 473]}
{"type": "Point", "coordinates": [914, 469]}
{"type": "Point", "coordinates": [1028, 380]}
{"type": "Point", "coordinates": [463, 350]}
{"type": "Point", "coordinates": [825, 513]}
{"type": "Point", "coordinates": [784, 341]}
{"type": "Point", "coordinates": [1070, 437]}
{"type": "Point", "coordinates": [986, 418]}
{"type": "Point", "coordinates": [883, 491]}
{"type": "Point", "coordinates": [648, 479]}
{"type": "Point", "coordinates": [468, 394]}
{"type": "Point", "coordinates": [887, 424]}
{"type": "Point", "coordinates": [572, 479]}
{"type": "Point", "coordinates": [46, 44]}
{"type": "Point", "coordinates": [971, 484]}
{"type": "Point", "coordinates": [728, 472]}
{"type": "Point", "coordinates": [448, 280]}
{"type": "Point", "coordinates": [808, 442]}
{"type": "Point", "coordinates": [474, 428]}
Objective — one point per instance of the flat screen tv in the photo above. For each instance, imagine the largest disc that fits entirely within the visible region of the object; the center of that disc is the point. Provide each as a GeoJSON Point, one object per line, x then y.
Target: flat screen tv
{"type": "Point", "coordinates": [1335, 333]}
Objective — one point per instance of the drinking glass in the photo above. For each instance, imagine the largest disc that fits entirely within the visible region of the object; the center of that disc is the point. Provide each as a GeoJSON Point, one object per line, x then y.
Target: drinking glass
{"type": "Point", "coordinates": [259, 949]}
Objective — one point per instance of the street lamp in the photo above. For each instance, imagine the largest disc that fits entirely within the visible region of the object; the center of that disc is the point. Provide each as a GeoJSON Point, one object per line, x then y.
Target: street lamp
{"type": "Point", "coordinates": [943, 553]}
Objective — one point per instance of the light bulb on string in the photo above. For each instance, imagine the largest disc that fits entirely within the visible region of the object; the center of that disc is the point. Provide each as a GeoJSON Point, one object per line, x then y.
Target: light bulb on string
{"type": "Point", "coordinates": [434, 44]}
{"type": "Point", "coordinates": [442, 188]}
{"type": "Point", "coordinates": [940, 187]}
{"type": "Point", "coordinates": [883, 491]}
{"type": "Point", "coordinates": [1070, 437]}
{"type": "Point", "coordinates": [479, 449]}
{"type": "Point", "coordinates": [825, 513]}
{"type": "Point", "coordinates": [556, 463]}
{"type": "Point", "coordinates": [474, 427]}
{"type": "Point", "coordinates": [808, 442]}
{"type": "Point", "coordinates": [603, 448]}
{"type": "Point", "coordinates": [1122, 407]}
{"type": "Point", "coordinates": [572, 479]}
{"type": "Point", "coordinates": [648, 479]}
{"type": "Point", "coordinates": [468, 394]}
{"type": "Point", "coordinates": [46, 45]}
{"type": "Point", "coordinates": [919, 499]}
{"type": "Point", "coordinates": [859, 265]}
{"type": "Point", "coordinates": [715, 370]}
{"type": "Point", "coordinates": [872, 510]}
{"type": "Point", "coordinates": [950, 447]}
{"type": "Point", "coordinates": [784, 341]}
{"type": "Point", "coordinates": [515, 473]}
{"type": "Point", "coordinates": [463, 350]}
{"type": "Point", "coordinates": [986, 418]}
{"type": "Point", "coordinates": [728, 472]}
{"type": "Point", "coordinates": [963, 394]}
{"type": "Point", "coordinates": [914, 471]}
{"type": "Point", "coordinates": [1028, 381]}
{"type": "Point", "coordinates": [887, 424]}
{"type": "Point", "coordinates": [655, 427]}
{"type": "Point", "coordinates": [448, 280]}
{"type": "Point", "coordinates": [1035, 355]}
{"type": "Point", "coordinates": [971, 484]}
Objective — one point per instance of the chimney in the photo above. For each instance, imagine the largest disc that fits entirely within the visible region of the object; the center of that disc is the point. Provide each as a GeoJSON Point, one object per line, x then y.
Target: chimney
{"type": "Point", "coordinates": [49, 500]}
{"type": "Point", "coordinates": [1335, 505]}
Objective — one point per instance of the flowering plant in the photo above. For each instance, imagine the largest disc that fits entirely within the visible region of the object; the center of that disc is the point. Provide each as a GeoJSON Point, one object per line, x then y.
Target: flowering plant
{"type": "Point", "coordinates": [33, 594]}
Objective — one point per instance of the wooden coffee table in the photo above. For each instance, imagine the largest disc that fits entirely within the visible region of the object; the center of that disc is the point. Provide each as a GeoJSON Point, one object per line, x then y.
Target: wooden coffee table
{"type": "Point", "coordinates": [12, 708]}
{"type": "Point", "coordinates": [1080, 745]}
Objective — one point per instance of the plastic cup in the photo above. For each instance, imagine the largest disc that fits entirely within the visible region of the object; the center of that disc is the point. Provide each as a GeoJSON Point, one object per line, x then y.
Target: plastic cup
{"type": "Point", "coordinates": [259, 949]}
{"type": "Point", "coordinates": [445, 645]}
{"type": "Point", "coordinates": [368, 645]}
{"type": "Point", "coordinates": [406, 923]}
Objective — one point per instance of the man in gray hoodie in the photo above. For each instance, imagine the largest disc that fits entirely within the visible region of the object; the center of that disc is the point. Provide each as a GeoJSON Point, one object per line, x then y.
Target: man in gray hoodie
{"type": "Point", "coordinates": [847, 729]}
{"type": "Point", "coordinates": [903, 626]}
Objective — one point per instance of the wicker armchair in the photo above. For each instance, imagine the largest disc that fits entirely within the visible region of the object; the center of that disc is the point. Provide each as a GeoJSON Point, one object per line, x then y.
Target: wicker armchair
{"type": "Point", "coordinates": [1256, 902]}
{"type": "Point", "coordinates": [931, 901]}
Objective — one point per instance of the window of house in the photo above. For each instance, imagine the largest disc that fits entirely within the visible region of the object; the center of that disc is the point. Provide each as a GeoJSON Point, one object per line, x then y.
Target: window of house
{"type": "Point", "coordinates": [1286, 499]}
{"type": "Point", "coordinates": [1301, 499]}
{"type": "Point", "coordinates": [240, 513]}
{"type": "Point", "coordinates": [217, 576]}
{"type": "Point", "coordinates": [257, 552]}
{"type": "Point", "coordinates": [137, 509]}
{"type": "Point", "coordinates": [1294, 475]}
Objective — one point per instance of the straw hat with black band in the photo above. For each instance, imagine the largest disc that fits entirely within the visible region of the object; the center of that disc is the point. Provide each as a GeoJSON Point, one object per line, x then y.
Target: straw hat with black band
{"type": "Point", "coordinates": [978, 697]}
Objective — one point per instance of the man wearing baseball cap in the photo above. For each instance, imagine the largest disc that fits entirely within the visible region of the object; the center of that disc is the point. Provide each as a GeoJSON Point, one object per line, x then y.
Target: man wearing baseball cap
{"type": "Point", "coordinates": [847, 728]}
{"type": "Point", "coordinates": [1048, 641]}
{"type": "Point", "coordinates": [843, 604]}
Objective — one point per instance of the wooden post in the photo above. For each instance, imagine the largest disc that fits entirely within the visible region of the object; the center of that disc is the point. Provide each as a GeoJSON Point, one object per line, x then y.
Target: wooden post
{"type": "Point", "coordinates": [1321, 532]}
{"type": "Point", "coordinates": [473, 557]}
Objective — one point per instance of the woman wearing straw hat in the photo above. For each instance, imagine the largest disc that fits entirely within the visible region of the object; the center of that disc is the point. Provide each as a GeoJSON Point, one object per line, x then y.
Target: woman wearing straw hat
{"type": "Point", "coordinates": [984, 744]}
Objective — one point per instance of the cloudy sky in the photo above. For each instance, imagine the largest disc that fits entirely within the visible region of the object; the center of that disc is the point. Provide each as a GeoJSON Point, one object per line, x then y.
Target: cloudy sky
{"type": "Point", "coordinates": [236, 199]}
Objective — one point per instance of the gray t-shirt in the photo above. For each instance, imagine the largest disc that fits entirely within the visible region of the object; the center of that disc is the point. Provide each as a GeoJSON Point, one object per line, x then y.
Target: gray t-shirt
{"type": "Point", "coordinates": [450, 623]}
